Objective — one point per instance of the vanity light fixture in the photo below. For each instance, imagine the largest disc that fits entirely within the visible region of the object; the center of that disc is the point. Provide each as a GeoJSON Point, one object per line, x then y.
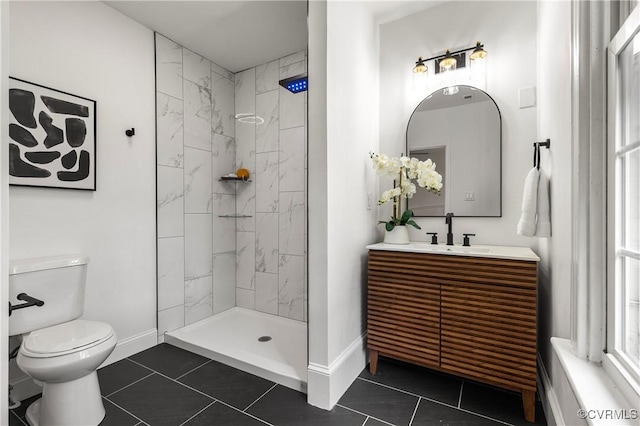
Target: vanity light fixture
{"type": "Point", "coordinates": [451, 60]}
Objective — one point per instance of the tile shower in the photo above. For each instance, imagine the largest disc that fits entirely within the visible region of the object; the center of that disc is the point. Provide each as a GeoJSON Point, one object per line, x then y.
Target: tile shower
{"type": "Point", "coordinates": [271, 243]}
{"type": "Point", "coordinates": [228, 244]}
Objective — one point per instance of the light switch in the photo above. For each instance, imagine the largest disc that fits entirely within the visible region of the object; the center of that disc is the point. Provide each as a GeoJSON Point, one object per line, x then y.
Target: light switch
{"type": "Point", "coordinates": [527, 97]}
{"type": "Point", "coordinates": [469, 196]}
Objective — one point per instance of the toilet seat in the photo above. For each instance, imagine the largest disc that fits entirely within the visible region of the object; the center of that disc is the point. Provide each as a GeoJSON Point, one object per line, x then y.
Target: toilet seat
{"type": "Point", "coordinates": [65, 338]}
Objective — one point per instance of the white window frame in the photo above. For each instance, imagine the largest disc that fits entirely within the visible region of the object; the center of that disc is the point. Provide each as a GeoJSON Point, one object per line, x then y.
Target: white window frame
{"type": "Point", "coordinates": [616, 364]}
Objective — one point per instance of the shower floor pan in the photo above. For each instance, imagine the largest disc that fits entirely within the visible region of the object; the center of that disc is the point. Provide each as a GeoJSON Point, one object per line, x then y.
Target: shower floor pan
{"type": "Point", "coordinates": [239, 338]}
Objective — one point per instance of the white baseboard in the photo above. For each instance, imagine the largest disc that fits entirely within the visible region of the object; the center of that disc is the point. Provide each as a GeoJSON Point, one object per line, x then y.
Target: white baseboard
{"type": "Point", "coordinates": [550, 403]}
{"type": "Point", "coordinates": [24, 387]}
{"type": "Point", "coordinates": [327, 384]}
{"type": "Point", "coordinates": [132, 345]}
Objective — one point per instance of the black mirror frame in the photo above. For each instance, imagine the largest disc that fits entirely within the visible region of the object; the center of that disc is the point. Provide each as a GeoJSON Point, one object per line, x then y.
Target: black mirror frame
{"type": "Point", "coordinates": [406, 143]}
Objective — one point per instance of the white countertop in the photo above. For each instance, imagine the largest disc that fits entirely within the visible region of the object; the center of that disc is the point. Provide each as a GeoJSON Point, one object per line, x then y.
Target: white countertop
{"type": "Point", "coordinates": [475, 250]}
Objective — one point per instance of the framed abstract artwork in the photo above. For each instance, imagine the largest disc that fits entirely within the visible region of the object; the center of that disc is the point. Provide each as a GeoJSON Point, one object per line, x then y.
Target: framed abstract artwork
{"type": "Point", "coordinates": [52, 137]}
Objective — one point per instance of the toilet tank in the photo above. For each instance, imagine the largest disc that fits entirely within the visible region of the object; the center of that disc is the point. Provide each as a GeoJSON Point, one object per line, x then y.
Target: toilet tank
{"type": "Point", "coordinates": [58, 281]}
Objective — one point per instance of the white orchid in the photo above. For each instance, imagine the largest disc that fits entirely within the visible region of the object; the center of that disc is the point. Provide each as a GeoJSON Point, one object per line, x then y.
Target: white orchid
{"type": "Point", "coordinates": [389, 195]}
{"type": "Point", "coordinates": [407, 188]}
{"type": "Point", "coordinates": [431, 180]}
{"type": "Point", "coordinates": [405, 169]}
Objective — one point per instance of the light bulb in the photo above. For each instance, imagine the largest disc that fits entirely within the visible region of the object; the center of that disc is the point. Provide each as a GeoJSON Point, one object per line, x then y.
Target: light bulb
{"type": "Point", "coordinates": [478, 53]}
{"type": "Point", "coordinates": [420, 67]}
{"type": "Point", "coordinates": [448, 63]}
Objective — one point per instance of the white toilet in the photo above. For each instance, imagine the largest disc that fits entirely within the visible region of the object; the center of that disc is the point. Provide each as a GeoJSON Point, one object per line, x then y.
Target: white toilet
{"type": "Point", "coordinates": [59, 350]}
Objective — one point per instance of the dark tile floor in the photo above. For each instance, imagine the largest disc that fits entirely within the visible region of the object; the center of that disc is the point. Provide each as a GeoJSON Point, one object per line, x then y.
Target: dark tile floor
{"type": "Point", "coordinates": [166, 385]}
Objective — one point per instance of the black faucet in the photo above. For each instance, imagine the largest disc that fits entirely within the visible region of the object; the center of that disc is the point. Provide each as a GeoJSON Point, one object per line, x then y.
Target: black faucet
{"type": "Point", "coordinates": [449, 221]}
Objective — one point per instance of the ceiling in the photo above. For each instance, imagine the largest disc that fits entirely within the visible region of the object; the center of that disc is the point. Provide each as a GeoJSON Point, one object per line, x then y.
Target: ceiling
{"type": "Point", "coordinates": [385, 11]}
{"type": "Point", "coordinates": [241, 34]}
{"type": "Point", "coordinates": [234, 34]}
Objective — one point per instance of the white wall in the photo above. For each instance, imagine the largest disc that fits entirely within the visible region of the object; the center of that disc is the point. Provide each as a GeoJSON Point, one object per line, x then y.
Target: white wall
{"type": "Point", "coordinates": [317, 185]}
{"type": "Point", "coordinates": [514, 33]}
{"type": "Point", "coordinates": [554, 122]}
{"type": "Point", "coordinates": [4, 209]}
{"type": "Point", "coordinates": [338, 188]}
{"type": "Point", "coordinates": [352, 103]}
{"type": "Point", "coordinates": [508, 31]}
{"type": "Point", "coordinates": [554, 115]}
{"type": "Point", "coordinates": [89, 49]}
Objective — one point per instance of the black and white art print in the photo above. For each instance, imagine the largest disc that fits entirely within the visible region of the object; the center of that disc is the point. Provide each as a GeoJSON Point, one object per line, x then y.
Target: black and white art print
{"type": "Point", "coordinates": [52, 137]}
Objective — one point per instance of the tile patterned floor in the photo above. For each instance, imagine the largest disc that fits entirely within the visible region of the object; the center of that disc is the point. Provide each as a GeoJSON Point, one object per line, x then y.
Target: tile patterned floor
{"type": "Point", "coordinates": [169, 386]}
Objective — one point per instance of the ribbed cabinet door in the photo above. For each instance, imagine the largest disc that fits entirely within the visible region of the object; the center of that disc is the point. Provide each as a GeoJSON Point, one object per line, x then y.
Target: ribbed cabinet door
{"type": "Point", "coordinates": [403, 308]}
{"type": "Point", "coordinates": [488, 328]}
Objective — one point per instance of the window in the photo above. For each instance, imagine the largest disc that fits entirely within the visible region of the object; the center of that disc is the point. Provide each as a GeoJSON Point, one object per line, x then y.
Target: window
{"type": "Point", "coordinates": [623, 330]}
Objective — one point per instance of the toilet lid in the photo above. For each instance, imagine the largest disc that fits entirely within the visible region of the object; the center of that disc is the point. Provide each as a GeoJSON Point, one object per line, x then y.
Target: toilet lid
{"type": "Point", "coordinates": [66, 337]}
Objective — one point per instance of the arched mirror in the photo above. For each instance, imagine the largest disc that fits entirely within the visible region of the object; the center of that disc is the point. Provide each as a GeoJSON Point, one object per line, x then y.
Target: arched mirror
{"type": "Point", "coordinates": [462, 134]}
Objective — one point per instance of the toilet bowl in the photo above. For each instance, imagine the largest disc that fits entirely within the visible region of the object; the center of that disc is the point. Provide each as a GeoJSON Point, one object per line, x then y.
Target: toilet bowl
{"type": "Point", "coordinates": [58, 350]}
{"type": "Point", "coordinates": [64, 358]}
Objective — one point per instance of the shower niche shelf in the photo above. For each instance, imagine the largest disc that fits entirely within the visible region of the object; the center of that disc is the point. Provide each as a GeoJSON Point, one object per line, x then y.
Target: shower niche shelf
{"type": "Point", "coordinates": [235, 216]}
{"type": "Point", "coordinates": [233, 179]}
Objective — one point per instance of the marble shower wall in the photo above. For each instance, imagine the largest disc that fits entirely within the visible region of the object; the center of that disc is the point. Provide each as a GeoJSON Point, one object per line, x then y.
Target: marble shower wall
{"type": "Point", "coordinates": [271, 243]}
{"type": "Point", "coordinates": [208, 263]}
{"type": "Point", "coordinates": [195, 146]}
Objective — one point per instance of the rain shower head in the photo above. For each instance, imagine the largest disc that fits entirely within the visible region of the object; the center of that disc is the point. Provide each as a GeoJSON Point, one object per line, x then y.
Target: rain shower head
{"type": "Point", "coordinates": [295, 84]}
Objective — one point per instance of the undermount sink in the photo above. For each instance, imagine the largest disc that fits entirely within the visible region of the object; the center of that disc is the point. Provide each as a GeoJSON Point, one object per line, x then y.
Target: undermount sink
{"type": "Point", "coordinates": [443, 248]}
{"type": "Point", "coordinates": [500, 252]}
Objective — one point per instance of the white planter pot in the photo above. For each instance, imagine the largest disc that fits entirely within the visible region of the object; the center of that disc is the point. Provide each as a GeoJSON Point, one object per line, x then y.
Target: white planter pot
{"type": "Point", "coordinates": [398, 235]}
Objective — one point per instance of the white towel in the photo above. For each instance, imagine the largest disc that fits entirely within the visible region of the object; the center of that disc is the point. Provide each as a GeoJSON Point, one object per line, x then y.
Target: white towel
{"type": "Point", "coordinates": [543, 224]}
{"type": "Point", "coordinates": [527, 223]}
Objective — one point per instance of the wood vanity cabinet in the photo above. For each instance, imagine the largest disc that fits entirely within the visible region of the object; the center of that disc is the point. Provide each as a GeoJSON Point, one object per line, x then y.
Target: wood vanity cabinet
{"type": "Point", "coordinates": [470, 316]}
